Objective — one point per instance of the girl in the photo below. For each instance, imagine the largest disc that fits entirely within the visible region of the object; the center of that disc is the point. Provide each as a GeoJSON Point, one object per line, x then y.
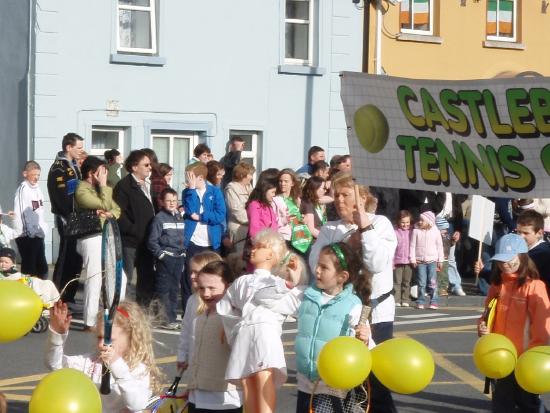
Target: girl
{"type": "Point", "coordinates": [402, 271]}
{"type": "Point", "coordinates": [208, 389]}
{"type": "Point", "coordinates": [522, 315]}
{"type": "Point", "coordinates": [287, 202]}
{"type": "Point", "coordinates": [215, 173]}
{"type": "Point", "coordinates": [426, 255]}
{"type": "Point", "coordinates": [194, 306]}
{"type": "Point", "coordinates": [314, 213]}
{"type": "Point", "coordinates": [260, 213]}
{"type": "Point", "coordinates": [134, 374]}
{"type": "Point", "coordinates": [253, 331]}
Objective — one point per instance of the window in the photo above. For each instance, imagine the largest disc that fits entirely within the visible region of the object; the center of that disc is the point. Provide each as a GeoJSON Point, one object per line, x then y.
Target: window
{"type": "Point", "coordinates": [137, 32]}
{"type": "Point", "coordinates": [416, 16]}
{"type": "Point", "coordinates": [299, 37]}
{"type": "Point", "coordinates": [106, 137]}
{"type": "Point", "coordinates": [252, 148]}
{"type": "Point", "coordinates": [175, 149]}
{"type": "Point", "coordinates": [501, 20]}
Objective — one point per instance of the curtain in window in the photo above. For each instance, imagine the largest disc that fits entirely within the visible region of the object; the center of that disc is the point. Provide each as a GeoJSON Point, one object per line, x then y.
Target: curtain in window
{"type": "Point", "coordinates": [415, 14]}
{"type": "Point", "coordinates": [503, 10]}
{"type": "Point", "coordinates": [135, 29]}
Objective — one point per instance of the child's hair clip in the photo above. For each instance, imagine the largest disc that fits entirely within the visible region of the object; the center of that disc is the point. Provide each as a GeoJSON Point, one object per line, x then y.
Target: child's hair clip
{"type": "Point", "coordinates": [286, 258]}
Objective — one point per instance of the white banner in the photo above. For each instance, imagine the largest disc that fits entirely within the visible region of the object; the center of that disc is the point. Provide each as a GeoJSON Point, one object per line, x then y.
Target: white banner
{"type": "Point", "coordinates": [486, 137]}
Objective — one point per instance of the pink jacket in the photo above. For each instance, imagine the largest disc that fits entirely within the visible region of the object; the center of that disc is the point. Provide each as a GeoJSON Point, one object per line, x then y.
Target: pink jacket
{"type": "Point", "coordinates": [260, 217]}
{"type": "Point", "coordinates": [426, 245]}
{"type": "Point", "coordinates": [402, 251]}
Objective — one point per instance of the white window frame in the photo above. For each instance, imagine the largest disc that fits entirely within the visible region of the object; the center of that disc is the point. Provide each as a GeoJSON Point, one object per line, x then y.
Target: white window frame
{"type": "Point", "coordinates": [514, 24]}
{"type": "Point", "coordinates": [153, 27]}
{"type": "Point", "coordinates": [101, 152]}
{"type": "Point", "coordinates": [311, 33]}
{"type": "Point", "coordinates": [428, 32]}
{"type": "Point", "coordinates": [253, 153]}
{"type": "Point", "coordinates": [192, 136]}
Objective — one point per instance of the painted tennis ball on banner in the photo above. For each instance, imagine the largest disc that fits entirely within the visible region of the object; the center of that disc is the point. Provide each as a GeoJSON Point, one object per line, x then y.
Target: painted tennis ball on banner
{"type": "Point", "coordinates": [371, 128]}
{"type": "Point", "coordinates": [545, 158]}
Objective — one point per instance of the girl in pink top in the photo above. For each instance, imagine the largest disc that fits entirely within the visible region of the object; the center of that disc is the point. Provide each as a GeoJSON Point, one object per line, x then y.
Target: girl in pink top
{"type": "Point", "coordinates": [260, 213]}
{"type": "Point", "coordinates": [402, 270]}
{"type": "Point", "coordinates": [426, 255]}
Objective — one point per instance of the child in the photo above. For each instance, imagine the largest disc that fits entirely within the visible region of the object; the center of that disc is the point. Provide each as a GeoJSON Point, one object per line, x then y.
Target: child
{"type": "Point", "coordinates": [130, 357]}
{"type": "Point", "coordinates": [208, 389]}
{"type": "Point", "coordinates": [253, 331]}
{"type": "Point", "coordinates": [426, 255]}
{"type": "Point", "coordinates": [44, 288]}
{"type": "Point", "coordinates": [402, 271]}
{"type": "Point", "coordinates": [166, 244]}
{"type": "Point", "coordinates": [522, 315]}
{"type": "Point", "coordinates": [194, 306]}
{"type": "Point", "coordinates": [29, 222]}
{"type": "Point", "coordinates": [7, 234]}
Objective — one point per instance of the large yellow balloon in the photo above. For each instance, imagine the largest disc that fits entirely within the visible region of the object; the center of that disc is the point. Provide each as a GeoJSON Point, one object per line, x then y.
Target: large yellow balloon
{"type": "Point", "coordinates": [403, 365]}
{"type": "Point", "coordinates": [344, 362]}
{"type": "Point", "coordinates": [495, 355]}
{"type": "Point", "coordinates": [65, 391]}
{"type": "Point", "coordinates": [533, 370]}
{"type": "Point", "coordinates": [20, 309]}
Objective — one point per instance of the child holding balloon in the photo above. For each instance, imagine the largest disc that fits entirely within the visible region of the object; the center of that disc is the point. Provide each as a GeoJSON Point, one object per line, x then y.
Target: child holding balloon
{"type": "Point", "coordinates": [522, 314]}
{"type": "Point", "coordinates": [130, 357]}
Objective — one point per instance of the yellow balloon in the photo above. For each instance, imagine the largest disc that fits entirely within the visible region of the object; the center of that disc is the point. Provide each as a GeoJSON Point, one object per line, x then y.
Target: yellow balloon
{"type": "Point", "coordinates": [403, 365]}
{"type": "Point", "coordinates": [344, 362]}
{"type": "Point", "coordinates": [65, 391]}
{"type": "Point", "coordinates": [20, 309]}
{"type": "Point", "coordinates": [495, 355]}
{"type": "Point", "coordinates": [533, 370]}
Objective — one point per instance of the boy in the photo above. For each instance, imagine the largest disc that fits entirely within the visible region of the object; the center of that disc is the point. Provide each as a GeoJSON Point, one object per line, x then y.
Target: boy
{"type": "Point", "coordinates": [29, 222]}
{"type": "Point", "coordinates": [530, 226]}
{"type": "Point", "coordinates": [166, 244]}
{"type": "Point", "coordinates": [204, 208]}
{"type": "Point", "coordinates": [7, 234]}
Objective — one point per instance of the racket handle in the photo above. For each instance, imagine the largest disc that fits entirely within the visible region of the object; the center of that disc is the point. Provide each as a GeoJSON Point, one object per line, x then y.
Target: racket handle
{"type": "Point", "coordinates": [105, 380]}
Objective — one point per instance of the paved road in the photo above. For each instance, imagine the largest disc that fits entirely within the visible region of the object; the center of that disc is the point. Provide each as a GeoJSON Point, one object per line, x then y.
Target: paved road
{"type": "Point", "coordinates": [449, 333]}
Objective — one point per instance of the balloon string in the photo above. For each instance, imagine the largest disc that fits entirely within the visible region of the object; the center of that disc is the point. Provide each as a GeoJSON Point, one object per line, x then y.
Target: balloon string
{"type": "Point", "coordinates": [73, 280]}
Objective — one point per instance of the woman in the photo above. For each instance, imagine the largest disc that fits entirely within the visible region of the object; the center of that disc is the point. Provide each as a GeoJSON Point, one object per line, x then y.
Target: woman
{"type": "Point", "coordinates": [374, 237]}
{"type": "Point", "coordinates": [236, 195]}
{"type": "Point", "coordinates": [215, 174]}
{"type": "Point", "coordinates": [287, 202]}
{"type": "Point", "coordinates": [93, 193]}
{"type": "Point", "coordinates": [167, 172]}
{"type": "Point", "coordinates": [158, 183]}
{"type": "Point", "coordinates": [314, 213]}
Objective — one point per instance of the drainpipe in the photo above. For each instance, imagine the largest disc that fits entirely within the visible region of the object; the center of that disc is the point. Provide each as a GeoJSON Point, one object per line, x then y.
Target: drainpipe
{"type": "Point", "coordinates": [378, 39]}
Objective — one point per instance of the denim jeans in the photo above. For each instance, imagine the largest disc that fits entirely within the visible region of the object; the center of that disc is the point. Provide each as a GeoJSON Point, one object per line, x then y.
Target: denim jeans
{"type": "Point", "coordinates": [454, 277]}
{"type": "Point", "coordinates": [168, 273]}
{"type": "Point", "coordinates": [427, 278]}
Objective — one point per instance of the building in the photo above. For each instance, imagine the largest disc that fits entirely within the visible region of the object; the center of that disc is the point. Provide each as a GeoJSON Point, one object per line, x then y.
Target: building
{"type": "Point", "coordinates": [169, 74]}
{"type": "Point", "coordinates": [458, 39]}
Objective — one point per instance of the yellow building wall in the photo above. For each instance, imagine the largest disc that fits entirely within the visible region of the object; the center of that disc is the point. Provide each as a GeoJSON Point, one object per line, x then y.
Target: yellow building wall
{"type": "Point", "coordinates": [462, 54]}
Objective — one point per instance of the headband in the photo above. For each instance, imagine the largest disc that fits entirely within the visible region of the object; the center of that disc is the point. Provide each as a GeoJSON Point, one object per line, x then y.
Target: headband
{"type": "Point", "coordinates": [123, 312]}
{"type": "Point", "coordinates": [340, 255]}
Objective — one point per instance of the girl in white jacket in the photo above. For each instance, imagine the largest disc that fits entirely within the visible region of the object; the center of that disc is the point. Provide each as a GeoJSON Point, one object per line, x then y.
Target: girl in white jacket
{"type": "Point", "coordinates": [134, 374]}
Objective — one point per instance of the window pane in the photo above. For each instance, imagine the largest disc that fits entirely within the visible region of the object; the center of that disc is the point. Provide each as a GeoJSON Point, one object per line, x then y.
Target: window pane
{"type": "Point", "coordinates": [405, 15]}
{"type": "Point", "coordinates": [506, 18]}
{"type": "Point", "coordinates": [104, 139]}
{"type": "Point", "coordinates": [297, 37]}
{"type": "Point", "coordinates": [181, 157]}
{"type": "Point", "coordinates": [297, 10]}
{"type": "Point", "coordinates": [143, 3]}
{"type": "Point", "coordinates": [492, 17]}
{"type": "Point", "coordinates": [161, 146]}
{"type": "Point", "coordinates": [135, 29]}
{"type": "Point", "coordinates": [421, 17]}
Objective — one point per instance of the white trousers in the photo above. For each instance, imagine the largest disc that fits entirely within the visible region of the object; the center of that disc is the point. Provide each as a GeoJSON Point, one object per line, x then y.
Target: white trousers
{"type": "Point", "coordinates": [90, 250]}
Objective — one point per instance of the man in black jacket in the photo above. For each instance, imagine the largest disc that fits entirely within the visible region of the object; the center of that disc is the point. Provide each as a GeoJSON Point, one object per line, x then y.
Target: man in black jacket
{"type": "Point", "coordinates": [133, 194]}
{"type": "Point", "coordinates": [231, 158]}
{"type": "Point", "coordinates": [63, 178]}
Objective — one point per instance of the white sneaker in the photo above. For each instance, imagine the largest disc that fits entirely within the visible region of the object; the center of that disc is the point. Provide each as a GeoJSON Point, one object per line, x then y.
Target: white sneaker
{"type": "Point", "coordinates": [405, 305]}
{"type": "Point", "coordinates": [398, 304]}
{"type": "Point", "coordinates": [460, 292]}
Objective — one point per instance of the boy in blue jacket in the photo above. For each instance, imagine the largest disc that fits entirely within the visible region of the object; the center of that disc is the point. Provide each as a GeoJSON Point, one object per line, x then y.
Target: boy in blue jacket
{"type": "Point", "coordinates": [166, 244]}
{"type": "Point", "coordinates": [204, 216]}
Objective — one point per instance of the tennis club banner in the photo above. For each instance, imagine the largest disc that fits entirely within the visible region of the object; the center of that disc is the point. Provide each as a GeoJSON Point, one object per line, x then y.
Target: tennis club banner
{"type": "Point", "coordinates": [485, 137]}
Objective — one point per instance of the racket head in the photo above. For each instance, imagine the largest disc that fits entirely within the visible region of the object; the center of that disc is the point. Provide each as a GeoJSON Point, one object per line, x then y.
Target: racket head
{"type": "Point", "coordinates": [338, 401]}
{"type": "Point", "coordinates": [111, 268]}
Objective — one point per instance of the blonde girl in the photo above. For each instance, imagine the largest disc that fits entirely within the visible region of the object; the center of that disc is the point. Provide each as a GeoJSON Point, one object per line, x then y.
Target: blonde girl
{"type": "Point", "coordinates": [253, 331]}
{"type": "Point", "coordinates": [208, 389]}
{"type": "Point", "coordinates": [194, 307]}
{"type": "Point", "coordinates": [130, 357]}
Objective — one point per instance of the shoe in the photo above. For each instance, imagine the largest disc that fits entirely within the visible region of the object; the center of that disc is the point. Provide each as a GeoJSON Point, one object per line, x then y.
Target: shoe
{"type": "Point", "coordinates": [434, 307]}
{"type": "Point", "coordinates": [459, 292]}
{"type": "Point", "coordinates": [405, 305]}
{"type": "Point", "coordinates": [171, 326]}
{"type": "Point", "coordinates": [398, 304]}
{"type": "Point", "coordinates": [420, 306]}
{"type": "Point", "coordinates": [443, 293]}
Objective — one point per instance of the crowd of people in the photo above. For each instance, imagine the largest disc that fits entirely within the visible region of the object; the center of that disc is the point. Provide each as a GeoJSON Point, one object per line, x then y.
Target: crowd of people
{"type": "Point", "coordinates": [241, 258]}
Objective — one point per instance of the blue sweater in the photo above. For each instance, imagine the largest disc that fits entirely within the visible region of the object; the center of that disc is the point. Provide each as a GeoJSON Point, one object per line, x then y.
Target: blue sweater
{"type": "Point", "coordinates": [213, 213]}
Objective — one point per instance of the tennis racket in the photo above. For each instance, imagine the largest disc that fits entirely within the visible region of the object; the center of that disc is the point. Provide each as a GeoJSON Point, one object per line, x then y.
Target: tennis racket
{"type": "Point", "coordinates": [341, 401]}
{"type": "Point", "coordinates": [170, 402]}
{"type": "Point", "coordinates": [111, 268]}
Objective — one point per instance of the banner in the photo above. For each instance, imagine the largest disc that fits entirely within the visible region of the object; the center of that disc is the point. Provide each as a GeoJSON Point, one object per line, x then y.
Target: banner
{"type": "Point", "coordinates": [485, 137]}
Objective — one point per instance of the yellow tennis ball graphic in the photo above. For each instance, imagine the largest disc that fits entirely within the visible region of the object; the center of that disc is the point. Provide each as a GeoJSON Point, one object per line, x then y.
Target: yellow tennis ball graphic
{"type": "Point", "coordinates": [371, 128]}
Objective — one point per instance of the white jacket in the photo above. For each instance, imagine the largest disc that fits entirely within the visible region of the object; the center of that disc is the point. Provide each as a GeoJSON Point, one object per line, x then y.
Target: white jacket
{"type": "Point", "coordinates": [130, 389]}
{"type": "Point", "coordinates": [29, 210]}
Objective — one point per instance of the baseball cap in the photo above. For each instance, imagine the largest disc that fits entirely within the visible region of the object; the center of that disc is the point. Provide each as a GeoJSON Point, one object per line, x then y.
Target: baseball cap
{"type": "Point", "coordinates": [508, 247]}
{"type": "Point", "coordinates": [8, 252]}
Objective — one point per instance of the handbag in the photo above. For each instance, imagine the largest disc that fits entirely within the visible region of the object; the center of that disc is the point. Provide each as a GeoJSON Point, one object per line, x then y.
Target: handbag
{"type": "Point", "coordinates": [82, 224]}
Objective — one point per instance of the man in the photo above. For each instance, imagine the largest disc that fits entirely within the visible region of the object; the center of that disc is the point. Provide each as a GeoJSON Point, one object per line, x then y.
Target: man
{"type": "Point", "coordinates": [231, 158]}
{"type": "Point", "coordinates": [133, 194]}
{"type": "Point", "coordinates": [63, 178]}
{"type": "Point", "coordinates": [315, 154]}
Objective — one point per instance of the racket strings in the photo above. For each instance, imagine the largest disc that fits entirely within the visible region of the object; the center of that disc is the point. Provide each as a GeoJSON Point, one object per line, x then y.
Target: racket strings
{"type": "Point", "coordinates": [354, 401]}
